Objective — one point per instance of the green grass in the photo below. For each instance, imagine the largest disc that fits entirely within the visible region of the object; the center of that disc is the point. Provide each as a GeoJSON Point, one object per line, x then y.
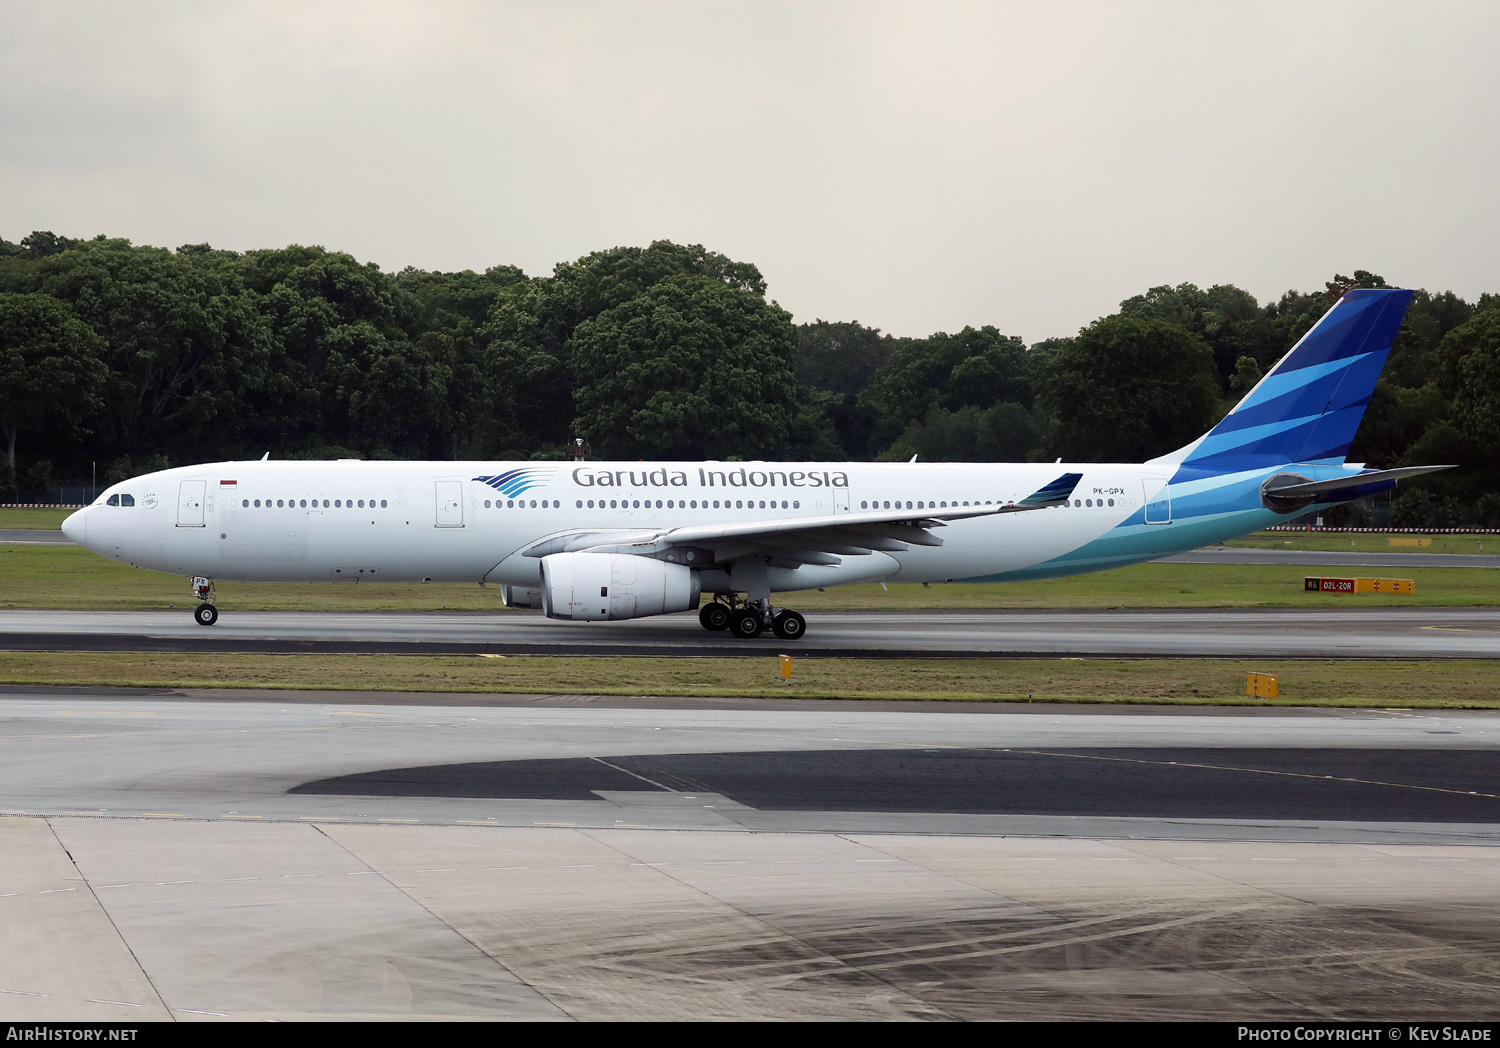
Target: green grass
{"type": "Point", "coordinates": [1430, 685]}
{"type": "Point", "coordinates": [1357, 543]}
{"type": "Point", "coordinates": [44, 519]}
{"type": "Point", "coordinates": [69, 577]}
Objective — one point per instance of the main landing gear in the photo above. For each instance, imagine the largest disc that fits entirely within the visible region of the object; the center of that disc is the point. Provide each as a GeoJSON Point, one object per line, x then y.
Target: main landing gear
{"type": "Point", "coordinates": [205, 614]}
{"type": "Point", "coordinates": [751, 618]}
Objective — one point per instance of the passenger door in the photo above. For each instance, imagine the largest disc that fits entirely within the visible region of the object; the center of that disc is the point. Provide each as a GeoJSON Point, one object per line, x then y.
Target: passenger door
{"type": "Point", "coordinates": [450, 503]}
{"type": "Point", "coordinates": [1158, 500]}
{"type": "Point", "coordinates": [190, 504]}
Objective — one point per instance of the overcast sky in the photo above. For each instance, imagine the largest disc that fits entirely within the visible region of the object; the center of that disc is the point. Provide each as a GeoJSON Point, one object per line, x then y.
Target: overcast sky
{"type": "Point", "coordinates": [917, 167]}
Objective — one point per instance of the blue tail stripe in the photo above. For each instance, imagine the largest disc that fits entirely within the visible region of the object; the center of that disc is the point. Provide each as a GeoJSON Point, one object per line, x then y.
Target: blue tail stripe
{"type": "Point", "coordinates": [1271, 449]}
{"type": "Point", "coordinates": [1363, 321]}
{"type": "Point", "coordinates": [1346, 405]}
{"type": "Point", "coordinates": [1301, 400]}
{"type": "Point", "coordinates": [1216, 444]}
{"type": "Point", "coordinates": [1309, 407]}
{"type": "Point", "coordinates": [1279, 383]}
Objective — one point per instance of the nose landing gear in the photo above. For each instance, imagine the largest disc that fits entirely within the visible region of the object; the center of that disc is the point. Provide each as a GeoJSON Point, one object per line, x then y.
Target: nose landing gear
{"type": "Point", "coordinates": [205, 614]}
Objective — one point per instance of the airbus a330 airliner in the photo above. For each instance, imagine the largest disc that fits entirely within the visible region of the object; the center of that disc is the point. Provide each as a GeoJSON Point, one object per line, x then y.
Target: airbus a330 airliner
{"type": "Point", "coordinates": [601, 541]}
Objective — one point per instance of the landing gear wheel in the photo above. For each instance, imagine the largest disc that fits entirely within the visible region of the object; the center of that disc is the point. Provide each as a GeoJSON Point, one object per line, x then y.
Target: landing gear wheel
{"type": "Point", "coordinates": [206, 614]}
{"type": "Point", "coordinates": [789, 625]}
{"type": "Point", "coordinates": [714, 616]}
{"type": "Point", "coordinates": [745, 623]}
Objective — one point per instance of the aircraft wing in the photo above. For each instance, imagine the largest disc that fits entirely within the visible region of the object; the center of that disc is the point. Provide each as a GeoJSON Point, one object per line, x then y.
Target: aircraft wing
{"type": "Point", "coordinates": [806, 540]}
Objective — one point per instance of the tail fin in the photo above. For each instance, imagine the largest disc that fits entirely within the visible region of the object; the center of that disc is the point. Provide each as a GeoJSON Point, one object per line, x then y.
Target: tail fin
{"type": "Point", "coordinates": [1308, 407]}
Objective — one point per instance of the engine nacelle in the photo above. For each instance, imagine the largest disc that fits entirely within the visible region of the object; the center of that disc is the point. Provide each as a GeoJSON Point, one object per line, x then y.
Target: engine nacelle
{"type": "Point", "coordinates": [595, 587]}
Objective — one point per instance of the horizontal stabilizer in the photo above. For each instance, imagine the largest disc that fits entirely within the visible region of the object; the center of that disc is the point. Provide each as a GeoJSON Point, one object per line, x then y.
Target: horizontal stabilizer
{"type": "Point", "coordinates": [1359, 480]}
{"type": "Point", "coordinates": [1287, 492]}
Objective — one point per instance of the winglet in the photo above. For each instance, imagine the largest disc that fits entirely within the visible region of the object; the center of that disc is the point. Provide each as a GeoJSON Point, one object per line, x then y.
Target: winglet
{"type": "Point", "coordinates": [1056, 493]}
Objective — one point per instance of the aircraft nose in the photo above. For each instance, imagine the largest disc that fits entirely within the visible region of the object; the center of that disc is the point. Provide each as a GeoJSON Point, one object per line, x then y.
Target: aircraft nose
{"type": "Point", "coordinates": [73, 527]}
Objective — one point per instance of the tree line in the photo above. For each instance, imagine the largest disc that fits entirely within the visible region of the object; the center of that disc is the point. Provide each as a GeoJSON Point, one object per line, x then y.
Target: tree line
{"type": "Point", "coordinates": [125, 358]}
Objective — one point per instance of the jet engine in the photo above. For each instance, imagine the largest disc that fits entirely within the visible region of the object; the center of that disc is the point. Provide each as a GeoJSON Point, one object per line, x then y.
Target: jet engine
{"type": "Point", "coordinates": [594, 587]}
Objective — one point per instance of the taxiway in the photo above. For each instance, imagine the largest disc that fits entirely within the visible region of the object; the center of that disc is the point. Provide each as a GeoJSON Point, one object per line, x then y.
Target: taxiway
{"type": "Point", "coordinates": [1366, 633]}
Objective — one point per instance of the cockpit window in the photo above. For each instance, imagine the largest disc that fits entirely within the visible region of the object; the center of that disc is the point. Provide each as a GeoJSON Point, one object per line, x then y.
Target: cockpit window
{"type": "Point", "coordinates": [114, 500]}
{"type": "Point", "coordinates": [127, 500]}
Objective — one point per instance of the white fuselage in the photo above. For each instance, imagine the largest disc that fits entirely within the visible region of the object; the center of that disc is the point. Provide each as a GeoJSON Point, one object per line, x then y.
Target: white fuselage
{"type": "Point", "coordinates": [447, 522]}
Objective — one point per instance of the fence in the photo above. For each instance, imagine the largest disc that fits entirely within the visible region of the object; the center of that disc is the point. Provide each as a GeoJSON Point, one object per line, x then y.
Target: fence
{"type": "Point", "coordinates": [1386, 531]}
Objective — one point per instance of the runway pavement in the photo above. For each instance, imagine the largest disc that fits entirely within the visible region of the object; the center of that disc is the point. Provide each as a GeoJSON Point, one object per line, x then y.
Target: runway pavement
{"type": "Point", "coordinates": [32, 537]}
{"type": "Point", "coordinates": [1350, 776]}
{"type": "Point", "coordinates": [1376, 633]}
{"type": "Point", "coordinates": [162, 855]}
{"type": "Point", "coordinates": [203, 855]}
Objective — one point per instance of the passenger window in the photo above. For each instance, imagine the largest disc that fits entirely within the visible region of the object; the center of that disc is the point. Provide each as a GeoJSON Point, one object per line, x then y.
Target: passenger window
{"type": "Point", "coordinates": [382, 503]}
